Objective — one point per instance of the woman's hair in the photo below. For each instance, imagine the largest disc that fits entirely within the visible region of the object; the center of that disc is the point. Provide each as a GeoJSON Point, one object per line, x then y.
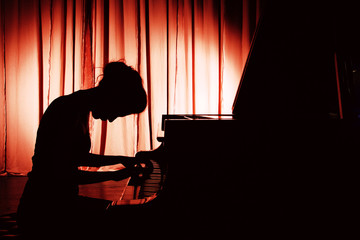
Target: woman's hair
{"type": "Point", "coordinates": [125, 82]}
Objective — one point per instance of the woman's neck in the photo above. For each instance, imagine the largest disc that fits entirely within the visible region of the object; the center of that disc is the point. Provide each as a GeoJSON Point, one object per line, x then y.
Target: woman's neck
{"type": "Point", "coordinates": [86, 98]}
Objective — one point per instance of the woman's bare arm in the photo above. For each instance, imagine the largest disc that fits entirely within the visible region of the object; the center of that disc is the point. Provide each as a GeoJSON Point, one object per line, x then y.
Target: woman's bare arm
{"type": "Point", "coordinates": [85, 177]}
{"type": "Point", "coordinates": [95, 160]}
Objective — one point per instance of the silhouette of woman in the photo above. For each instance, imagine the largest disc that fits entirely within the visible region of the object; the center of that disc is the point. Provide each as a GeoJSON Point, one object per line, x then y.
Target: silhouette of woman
{"type": "Point", "coordinates": [50, 201]}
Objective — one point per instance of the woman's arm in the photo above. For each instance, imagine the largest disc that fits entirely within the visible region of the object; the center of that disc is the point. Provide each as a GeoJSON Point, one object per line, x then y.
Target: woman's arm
{"type": "Point", "coordinates": [95, 160]}
{"type": "Point", "coordinates": [85, 177]}
{"type": "Point", "coordinates": [134, 167]}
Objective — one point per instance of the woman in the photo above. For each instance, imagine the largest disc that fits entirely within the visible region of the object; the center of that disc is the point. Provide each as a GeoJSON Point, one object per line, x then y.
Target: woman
{"type": "Point", "coordinates": [50, 201]}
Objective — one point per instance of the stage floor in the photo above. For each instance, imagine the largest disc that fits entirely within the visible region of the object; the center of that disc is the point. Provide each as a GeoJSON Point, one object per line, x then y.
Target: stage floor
{"type": "Point", "coordinates": [11, 188]}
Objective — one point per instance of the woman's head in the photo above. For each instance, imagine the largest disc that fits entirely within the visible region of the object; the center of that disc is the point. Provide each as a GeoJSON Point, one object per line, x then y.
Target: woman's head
{"type": "Point", "coordinates": [120, 92]}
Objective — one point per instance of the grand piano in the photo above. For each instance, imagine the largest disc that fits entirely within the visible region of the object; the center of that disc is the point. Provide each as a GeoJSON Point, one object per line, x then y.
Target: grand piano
{"type": "Point", "coordinates": [286, 161]}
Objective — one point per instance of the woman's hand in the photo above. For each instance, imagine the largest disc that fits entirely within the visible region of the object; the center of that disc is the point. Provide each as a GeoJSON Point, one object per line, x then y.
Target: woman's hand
{"type": "Point", "coordinates": [156, 155]}
{"type": "Point", "coordinates": [143, 163]}
{"type": "Point", "coordinates": [141, 169]}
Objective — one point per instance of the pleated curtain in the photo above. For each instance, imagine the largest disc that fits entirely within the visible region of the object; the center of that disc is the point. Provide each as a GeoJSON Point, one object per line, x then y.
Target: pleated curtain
{"type": "Point", "coordinates": [189, 53]}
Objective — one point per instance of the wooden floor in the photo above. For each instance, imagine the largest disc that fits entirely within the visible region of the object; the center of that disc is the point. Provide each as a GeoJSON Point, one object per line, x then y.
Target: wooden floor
{"type": "Point", "coordinates": [11, 189]}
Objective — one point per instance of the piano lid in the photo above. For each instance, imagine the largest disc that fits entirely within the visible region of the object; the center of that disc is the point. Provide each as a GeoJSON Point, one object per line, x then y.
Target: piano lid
{"type": "Point", "coordinates": [290, 71]}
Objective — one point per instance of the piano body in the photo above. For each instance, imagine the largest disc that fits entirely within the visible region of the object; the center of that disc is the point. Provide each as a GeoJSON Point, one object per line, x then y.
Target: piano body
{"type": "Point", "coordinates": [286, 160]}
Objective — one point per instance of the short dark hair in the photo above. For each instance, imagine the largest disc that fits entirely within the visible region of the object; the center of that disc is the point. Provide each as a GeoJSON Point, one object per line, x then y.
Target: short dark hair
{"type": "Point", "coordinates": [119, 78]}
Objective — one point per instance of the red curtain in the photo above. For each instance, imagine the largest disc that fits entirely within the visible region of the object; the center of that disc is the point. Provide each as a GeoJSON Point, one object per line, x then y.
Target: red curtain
{"type": "Point", "coordinates": [189, 53]}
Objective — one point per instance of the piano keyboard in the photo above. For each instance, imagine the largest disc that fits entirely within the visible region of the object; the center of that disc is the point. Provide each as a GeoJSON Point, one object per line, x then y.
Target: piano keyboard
{"type": "Point", "coordinates": [138, 194]}
{"type": "Point", "coordinates": [153, 184]}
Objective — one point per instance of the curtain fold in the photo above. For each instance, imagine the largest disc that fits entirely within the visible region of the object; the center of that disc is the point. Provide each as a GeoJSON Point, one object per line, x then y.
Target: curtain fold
{"type": "Point", "coordinates": [3, 91]}
{"type": "Point", "coordinates": [190, 54]}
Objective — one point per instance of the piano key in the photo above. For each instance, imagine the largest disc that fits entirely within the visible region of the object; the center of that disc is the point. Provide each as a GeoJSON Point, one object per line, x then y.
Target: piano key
{"type": "Point", "coordinates": [148, 187]}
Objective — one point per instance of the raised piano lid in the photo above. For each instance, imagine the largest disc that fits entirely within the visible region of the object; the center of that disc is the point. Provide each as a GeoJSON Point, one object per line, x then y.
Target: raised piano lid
{"type": "Point", "coordinates": [290, 69]}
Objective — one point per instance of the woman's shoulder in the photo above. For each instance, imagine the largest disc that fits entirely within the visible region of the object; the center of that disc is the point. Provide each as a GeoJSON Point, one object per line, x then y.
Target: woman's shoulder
{"type": "Point", "coordinates": [65, 102]}
{"type": "Point", "coordinates": [61, 108]}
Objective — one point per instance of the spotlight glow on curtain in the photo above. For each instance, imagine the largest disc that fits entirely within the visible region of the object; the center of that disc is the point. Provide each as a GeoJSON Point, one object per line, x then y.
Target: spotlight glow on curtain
{"type": "Point", "coordinates": [189, 53]}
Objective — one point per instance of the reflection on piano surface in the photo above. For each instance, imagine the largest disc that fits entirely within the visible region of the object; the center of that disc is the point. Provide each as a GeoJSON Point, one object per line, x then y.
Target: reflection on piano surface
{"type": "Point", "coordinates": [286, 160]}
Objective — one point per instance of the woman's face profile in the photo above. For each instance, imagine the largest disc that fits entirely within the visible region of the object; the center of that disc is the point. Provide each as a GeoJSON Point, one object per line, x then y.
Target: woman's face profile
{"type": "Point", "coordinates": [108, 107]}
